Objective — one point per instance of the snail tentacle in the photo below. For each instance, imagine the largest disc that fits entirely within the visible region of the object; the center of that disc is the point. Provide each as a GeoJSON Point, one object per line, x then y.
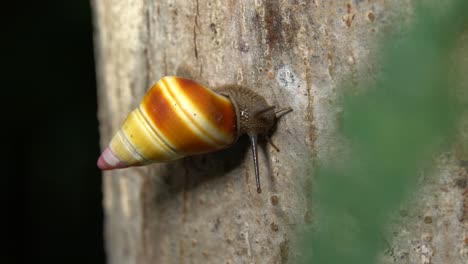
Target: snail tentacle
{"type": "Point", "coordinates": [253, 140]}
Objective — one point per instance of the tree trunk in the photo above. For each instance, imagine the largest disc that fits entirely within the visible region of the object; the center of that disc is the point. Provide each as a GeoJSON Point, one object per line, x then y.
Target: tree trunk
{"type": "Point", "coordinates": [205, 209]}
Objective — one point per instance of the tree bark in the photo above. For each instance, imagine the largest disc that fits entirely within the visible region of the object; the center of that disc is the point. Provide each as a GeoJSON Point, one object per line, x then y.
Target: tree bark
{"type": "Point", "coordinates": [204, 209]}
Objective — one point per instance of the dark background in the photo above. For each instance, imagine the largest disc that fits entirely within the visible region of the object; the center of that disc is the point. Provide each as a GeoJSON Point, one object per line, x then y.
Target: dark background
{"type": "Point", "coordinates": [51, 186]}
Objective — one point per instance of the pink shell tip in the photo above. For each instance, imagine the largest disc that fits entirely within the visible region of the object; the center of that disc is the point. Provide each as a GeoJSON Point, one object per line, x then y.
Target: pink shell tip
{"type": "Point", "coordinates": [109, 161]}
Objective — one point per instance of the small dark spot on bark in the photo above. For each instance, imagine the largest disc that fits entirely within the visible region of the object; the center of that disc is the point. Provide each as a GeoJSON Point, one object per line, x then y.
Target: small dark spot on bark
{"type": "Point", "coordinates": [213, 28]}
{"type": "Point", "coordinates": [428, 220]}
{"type": "Point", "coordinates": [348, 20]}
{"type": "Point", "coordinates": [216, 224]}
{"type": "Point", "coordinates": [371, 16]}
{"type": "Point", "coordinates": [243, 47]}
{"type": "Point", "coordinates": [274, 226]}
{"type": "Point", "coordinates": [461, 183]}
{"type": "Point", "coordinates": [271, 75]}
{"type": "Point", "coordinates": [274, 200]}
{"type": "Point", "coordinates": [464, 216]}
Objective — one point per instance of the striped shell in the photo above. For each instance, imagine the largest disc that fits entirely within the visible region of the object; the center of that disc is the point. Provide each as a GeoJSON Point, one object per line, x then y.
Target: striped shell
{"type": "Point", "coordinates": [176, 118]}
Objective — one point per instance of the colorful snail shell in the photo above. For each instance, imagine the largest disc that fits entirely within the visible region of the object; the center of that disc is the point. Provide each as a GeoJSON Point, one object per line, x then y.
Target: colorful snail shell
{"type": "Point", "coordinates": [179, 117]}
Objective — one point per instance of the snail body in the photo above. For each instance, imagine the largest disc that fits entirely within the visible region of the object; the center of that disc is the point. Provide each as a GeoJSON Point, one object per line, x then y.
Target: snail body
{"type": "Point", "coordinates": [179, 117]}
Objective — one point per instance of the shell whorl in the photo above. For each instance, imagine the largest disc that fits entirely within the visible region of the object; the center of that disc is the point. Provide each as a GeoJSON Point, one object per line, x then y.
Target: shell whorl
{"type": "Point", "coordinates": [176, 118]}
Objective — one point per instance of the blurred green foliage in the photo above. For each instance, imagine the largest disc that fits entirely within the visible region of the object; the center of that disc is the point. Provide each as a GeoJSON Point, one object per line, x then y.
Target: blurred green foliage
{"type": "Point", "coordinates": [395, 128]}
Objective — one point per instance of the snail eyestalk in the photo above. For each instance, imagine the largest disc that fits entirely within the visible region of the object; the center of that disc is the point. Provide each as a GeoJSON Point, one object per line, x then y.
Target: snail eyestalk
{"type": "Point", "coordinates": [271, 143]}
{"type": "Point", "coordinates": [264, 110]}
{"type": "Point", "coordinates": [253, 140]}
{"type": "Point", "coordinates": [282, 112]}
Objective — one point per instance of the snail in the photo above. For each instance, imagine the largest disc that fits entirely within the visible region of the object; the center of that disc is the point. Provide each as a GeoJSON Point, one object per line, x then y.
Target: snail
{"type": "Point", "coordinates": [179, 117]}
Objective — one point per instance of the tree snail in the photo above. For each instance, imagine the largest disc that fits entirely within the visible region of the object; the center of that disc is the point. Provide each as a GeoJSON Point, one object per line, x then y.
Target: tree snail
{"type": "Point", "coordinates": [179, 117]}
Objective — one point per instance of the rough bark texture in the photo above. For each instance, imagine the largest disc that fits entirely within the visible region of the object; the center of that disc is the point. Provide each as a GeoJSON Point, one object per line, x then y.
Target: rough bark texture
{"type": "Point", "coordinates": [205, 209]}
